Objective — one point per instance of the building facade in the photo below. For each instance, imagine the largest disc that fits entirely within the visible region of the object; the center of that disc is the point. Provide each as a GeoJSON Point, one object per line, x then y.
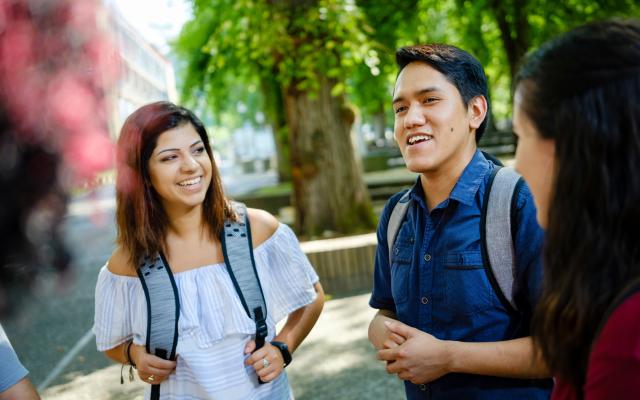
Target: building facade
{"type": "Point", "coordinates": [145, 75]}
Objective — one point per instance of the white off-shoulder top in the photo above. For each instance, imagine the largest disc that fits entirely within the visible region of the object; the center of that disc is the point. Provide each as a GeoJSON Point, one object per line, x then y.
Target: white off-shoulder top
{"type": "Point", "coordinates": [213, 327]}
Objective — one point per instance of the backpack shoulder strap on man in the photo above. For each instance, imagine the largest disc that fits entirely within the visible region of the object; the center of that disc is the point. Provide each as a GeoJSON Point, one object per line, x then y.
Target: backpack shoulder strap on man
{"type": "Point", "coordinates": [238, 257]}
{"type": "Point", "coordinates": [163, 309]}
{"type": "Point", "coordinates": [497, 231]}
{"type": "Point", "coordinates": [395, 220]}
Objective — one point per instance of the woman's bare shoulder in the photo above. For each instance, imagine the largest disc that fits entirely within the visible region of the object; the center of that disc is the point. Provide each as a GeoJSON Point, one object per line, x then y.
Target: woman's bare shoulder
{"type": "Point", "coordinates": [120, 263]}
{"type": "Point", "coordinates": [263, 225]}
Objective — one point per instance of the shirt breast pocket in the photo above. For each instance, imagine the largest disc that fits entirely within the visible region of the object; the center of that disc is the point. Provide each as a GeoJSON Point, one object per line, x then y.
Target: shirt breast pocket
{"type": "Point", "coordinates": [401, 269]}
{"type": "Point", "coordinates": [468, 290]}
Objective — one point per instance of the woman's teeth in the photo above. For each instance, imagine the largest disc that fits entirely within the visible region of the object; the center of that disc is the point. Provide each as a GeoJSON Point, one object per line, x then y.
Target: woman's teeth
{"type": "Point", "coordinates": [190, 181]}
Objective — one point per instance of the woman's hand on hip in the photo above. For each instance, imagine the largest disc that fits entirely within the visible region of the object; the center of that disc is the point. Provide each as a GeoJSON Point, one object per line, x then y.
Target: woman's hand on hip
{"type": "Point", "coordinates": [151, 369]}
{"type": "Point", "coordinates": [267, 361]}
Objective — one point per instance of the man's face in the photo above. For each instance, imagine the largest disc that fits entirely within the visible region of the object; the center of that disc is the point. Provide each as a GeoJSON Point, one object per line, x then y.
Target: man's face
{"type": "Point", "coordinates": [433, 127]}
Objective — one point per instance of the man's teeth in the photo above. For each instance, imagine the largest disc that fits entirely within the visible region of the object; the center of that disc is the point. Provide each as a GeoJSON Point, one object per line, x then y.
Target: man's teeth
{"type": "Point", "coordinates": [418, 138]}
{"type": "Point", "coordinates": [190, 181]}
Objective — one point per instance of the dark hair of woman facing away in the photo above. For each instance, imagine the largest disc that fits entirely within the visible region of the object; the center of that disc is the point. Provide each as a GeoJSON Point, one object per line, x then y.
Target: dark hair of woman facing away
{"type": "Point", "coordinates": [142, 222]}
{"type": "Point", "coordinates": [583, 91]}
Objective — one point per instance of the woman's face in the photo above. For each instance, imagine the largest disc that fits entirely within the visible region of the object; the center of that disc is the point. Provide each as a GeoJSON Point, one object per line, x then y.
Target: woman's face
{"type": "Point", "coordinates": [180, 168]}
{"type": "Point", "coordinates": [535, 159]}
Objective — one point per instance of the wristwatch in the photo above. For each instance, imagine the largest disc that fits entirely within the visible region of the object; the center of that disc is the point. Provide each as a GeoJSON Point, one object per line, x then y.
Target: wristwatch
{"type": "Point", "coordinates": [284, 349]}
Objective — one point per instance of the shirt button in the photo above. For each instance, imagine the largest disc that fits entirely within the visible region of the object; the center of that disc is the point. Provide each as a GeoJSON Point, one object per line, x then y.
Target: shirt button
{"type": "Point", "coordinates": [427, 257]}
{"type": "Point", "coordinates": [423, 387]}
{"type": "Point", "coordinates": [425, 300]}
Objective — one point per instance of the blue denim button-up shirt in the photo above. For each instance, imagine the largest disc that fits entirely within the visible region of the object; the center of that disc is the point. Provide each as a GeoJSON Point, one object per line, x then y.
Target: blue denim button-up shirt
{"type": "Point", "coordinates": [437, 283]}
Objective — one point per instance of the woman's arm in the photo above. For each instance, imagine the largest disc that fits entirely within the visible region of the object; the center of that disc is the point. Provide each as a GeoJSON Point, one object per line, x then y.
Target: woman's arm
{"type": "Point", "coordinates": [300, 322]}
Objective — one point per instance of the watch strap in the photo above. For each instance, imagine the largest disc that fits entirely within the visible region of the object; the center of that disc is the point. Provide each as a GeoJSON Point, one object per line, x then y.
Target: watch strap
{"type": "Point", "coordinates": [284, 350]}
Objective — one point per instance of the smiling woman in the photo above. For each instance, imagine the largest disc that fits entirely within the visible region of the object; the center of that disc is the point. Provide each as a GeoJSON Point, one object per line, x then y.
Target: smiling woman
{"type": "Point", "coordinates": [170, 203]}
{"type": "Point", "coordinates": [180, 168]}
{"type": "Point", "coordinates": [156, 141]}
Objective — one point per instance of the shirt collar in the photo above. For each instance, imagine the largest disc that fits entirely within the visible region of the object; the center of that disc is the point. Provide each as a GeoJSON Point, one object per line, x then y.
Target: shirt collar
{"type": "Point", "coordinates": [467, 186]}
{"type": "Point", "coordinates": [417, 194]}
{"type": "Point", "coordinates": [473, 175]}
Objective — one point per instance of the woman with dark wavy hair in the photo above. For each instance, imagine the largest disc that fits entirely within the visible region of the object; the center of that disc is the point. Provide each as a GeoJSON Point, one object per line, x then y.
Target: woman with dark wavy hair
{"type": "Point", "coordinates": [577, 116]}
{"type": "Point", "coordinates": [170, 202]}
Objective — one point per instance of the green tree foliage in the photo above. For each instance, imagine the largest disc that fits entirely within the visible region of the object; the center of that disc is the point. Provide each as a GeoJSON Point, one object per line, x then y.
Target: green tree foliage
{"type": "Point", "coordinates": [498, 32]}
{"type": "Point", "coordinates": [299, 53]}
{"type": "Point", "coordinates": [385, 23]}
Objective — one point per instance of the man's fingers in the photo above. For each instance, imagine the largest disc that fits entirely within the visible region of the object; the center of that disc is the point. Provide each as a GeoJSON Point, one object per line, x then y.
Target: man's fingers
{"type": "Point", "coordinates": [393, 367]}
{"type": "Point", "coordinates": [389, 344]}
{"type": "Point", "coordinates": [387, 355]}
{"type": "Point", "coordinates": [405, 376]}
{"type": "Point", "coordinates": [405, 331]}
{"type": "Point", "coordinates": [396, 338]}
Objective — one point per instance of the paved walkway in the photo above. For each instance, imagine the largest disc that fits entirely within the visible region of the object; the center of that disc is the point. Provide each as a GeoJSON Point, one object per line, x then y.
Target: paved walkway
{"type": "Point", "coordinates": [335, 362]}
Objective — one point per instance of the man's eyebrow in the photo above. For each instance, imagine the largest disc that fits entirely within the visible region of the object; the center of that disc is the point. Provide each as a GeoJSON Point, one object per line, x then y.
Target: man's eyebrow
{"type": "Point", "coordinates": [417, 93]}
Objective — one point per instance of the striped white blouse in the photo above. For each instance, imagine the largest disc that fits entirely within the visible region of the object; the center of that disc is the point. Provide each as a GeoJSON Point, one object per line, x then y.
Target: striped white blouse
{"type": "Point", "coordinates": [213, 327]}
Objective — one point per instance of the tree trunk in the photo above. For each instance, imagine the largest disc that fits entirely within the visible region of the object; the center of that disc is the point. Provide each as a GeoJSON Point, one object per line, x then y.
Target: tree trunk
{"type": "Point", "coordinates": [328, 191]}
{"type": "Point", "coordinates": [514, 30]}
{"type": "Point", "coordinates": [274, 107]}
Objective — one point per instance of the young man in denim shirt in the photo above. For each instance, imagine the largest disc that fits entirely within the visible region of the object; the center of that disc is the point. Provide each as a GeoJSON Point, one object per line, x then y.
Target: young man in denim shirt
{"type": "Point", "coordinates": [441, 327]}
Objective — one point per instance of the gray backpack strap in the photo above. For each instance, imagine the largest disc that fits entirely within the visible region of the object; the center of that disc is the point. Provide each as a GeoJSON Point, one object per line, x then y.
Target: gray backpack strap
{"type": "Point", "coordinates": [238, 257]}
{"type": "Point", "coordinates": [496, 232]}
{"type": "Point", "coordinates": [395, 220]}
{"type": "Point", "coordinates": [163, 309]}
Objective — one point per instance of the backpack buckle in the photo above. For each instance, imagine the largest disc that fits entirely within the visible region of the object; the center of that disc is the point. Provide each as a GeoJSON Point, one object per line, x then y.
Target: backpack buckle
{"type": "Point", "coordinates": [261, 327]}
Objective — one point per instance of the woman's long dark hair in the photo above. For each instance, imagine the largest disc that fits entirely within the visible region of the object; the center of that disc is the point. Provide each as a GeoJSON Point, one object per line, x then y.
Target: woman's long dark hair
{"type": "Point", "coordinates": [142, 222]}
{"type": "Point", "coordinates": [583, 91]}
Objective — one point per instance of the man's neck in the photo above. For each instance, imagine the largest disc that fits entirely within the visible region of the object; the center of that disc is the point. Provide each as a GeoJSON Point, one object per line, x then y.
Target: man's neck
{"type": "Point", "coordinates": [438, 184]}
